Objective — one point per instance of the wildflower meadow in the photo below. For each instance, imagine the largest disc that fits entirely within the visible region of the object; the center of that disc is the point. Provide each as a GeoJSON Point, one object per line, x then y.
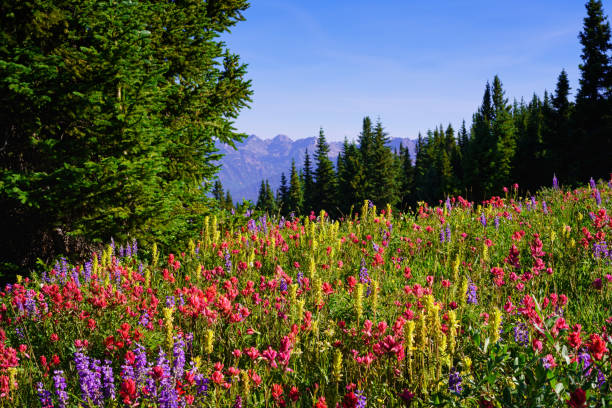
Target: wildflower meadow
{"type": "Point", "coordinates": [505, 303]}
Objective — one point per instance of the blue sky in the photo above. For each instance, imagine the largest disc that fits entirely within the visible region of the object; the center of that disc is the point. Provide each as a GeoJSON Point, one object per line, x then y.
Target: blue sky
{"type": "Point", "coordinates": [413, 63]}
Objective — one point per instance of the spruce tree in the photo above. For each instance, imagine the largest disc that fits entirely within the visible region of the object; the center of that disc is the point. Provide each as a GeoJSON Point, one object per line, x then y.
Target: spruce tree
{"type": "Point", "coordinates": [505, 143]}
{"type": "Point", "coordinates": [366, 142]}
{"type": "Point", "coordinates": [295, 195]}
{"type": "Point", "coordinates": [382, 174]}
{"type": "Point", "coordinates": [351, 178]}
{"type": "Point", "coordinates": [218, 193]}
{"type": "Point", "coordinates": [283, 196]}
{"type": "Point", "coordinates": [229, 202]}
{"type": "Point", "coordinates": [325, 178]}
{"type": "Point", "coordinates": [557, 137]}
{"type": "Point", "coordinates": [593, 138]}
{"type": "Point", "coordinates": [110, 112]}
{"type": "Point", "coordinates": [407, 195]}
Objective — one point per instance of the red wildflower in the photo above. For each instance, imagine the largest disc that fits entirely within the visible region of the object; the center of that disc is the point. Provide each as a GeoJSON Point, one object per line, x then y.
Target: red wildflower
{"type": "Point", "coordinates": [577, 399]}
{"type": "Point", "coordinates": [597, 346]}
{"type": "Point", "coordinates": [128, 391]}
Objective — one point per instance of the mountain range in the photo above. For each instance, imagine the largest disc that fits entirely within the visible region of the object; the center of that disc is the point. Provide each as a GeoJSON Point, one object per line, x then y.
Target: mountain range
{"type": "Point", "coordinates": [256, 159]}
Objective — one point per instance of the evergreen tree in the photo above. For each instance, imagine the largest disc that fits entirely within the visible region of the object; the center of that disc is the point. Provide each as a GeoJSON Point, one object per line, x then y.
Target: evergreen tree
{"type": "Point", "coordinates": [110, 112]}
{"type": "Point", "coordinates": [558, 132]}
{"type": "Point", "coordinates": [265, 198]}
{"type": "Point", "coordinates": [325, 178]}
{"type": "Point", "coordinates": [593, 138]}
{"type": "Point", "coordinates": [351, 178]}
{"type": "Point", "coordinates": [366, 149]}
{"type": "Point", "coordinates": [505, 143]}
{"type": "Point", "coordinates": [229, 202]}
{"type": "Point", "coordinates": [382, 175]}
{"type": "Point", "coordinates": [308, 183]}
{"type": "Point", "coordinates": [282, 198]}
{"type": "Point", "coordinates": [218, 193]}
{"type": "Point", "coordinates": [406, 179]}
{"type": "Point", "coordinates": [295, 195]}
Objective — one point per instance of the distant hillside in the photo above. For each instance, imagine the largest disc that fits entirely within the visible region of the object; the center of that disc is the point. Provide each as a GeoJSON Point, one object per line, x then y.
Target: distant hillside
{"type": "Point", "coordinates": [255, 159]}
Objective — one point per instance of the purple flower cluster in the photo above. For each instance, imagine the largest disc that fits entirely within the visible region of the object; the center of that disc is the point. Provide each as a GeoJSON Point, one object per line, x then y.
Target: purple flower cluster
{"type": "Point", "coordinates": [472, 297]}
{"type": "Point", "coordinates": [454, 382]}
{"type": "Point", "coordinates": [60, 388]}
{"type": "Point", "coordinates": [521, 334]}
{"type": "Point", "coordinates": [483, 220]}
{"type": "Point", "coordinates": [44, 396]}
{"type": "Point", "coordinates": [555, 182]}
{"type": "Point", "coordinates": [90, 376]}
{"type": "Point", "coordinates": [362, 401]}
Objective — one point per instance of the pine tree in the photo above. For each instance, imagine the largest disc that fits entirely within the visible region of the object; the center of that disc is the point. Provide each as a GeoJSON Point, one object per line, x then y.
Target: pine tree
{"type": "Point", "coordinates": [308, 183]}
{"type": "Point", "coordinates": [265, 198]}
{"type": "Point", "coordinates": [593, 138]}
{"type": "Point", "coordinates": [295, 194]}
{"type": "Point", "coordinates": [325, 178]}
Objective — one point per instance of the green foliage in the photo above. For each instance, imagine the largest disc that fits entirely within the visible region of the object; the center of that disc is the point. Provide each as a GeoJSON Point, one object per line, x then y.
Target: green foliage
{"type": "Point", "coordinates": [110, 111]}
{"type": "Point", "coordinates": [324, 195]}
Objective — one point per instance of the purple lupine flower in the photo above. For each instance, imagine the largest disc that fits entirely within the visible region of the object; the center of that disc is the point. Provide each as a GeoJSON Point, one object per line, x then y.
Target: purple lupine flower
{"type": "Point", "coordinates": [228, 262]}
{"type": "Point", "coordinates": [128, 251]}
{"type": "Point", "coordinates": [442, 235]}
{"type": "Point", "coordinates": [283, 285]}
{"type": "Point", "coordinates": [364, 276]}
{"type": "Point", "coordinates": [597, 197]}
{"type": "Point", "coordinates": [600, 250]}
{"type": "Point", "coordinates": [521, 334]}
{"type": "Point", "coordinates": [87, 271]}
{"type": "Point", "coordinates": [555, 182]}
{"type": "Point", "coordinates": [134, 247]}
{"type": "Point", "coordinates": [238, 402]}
{"type": "Point", "coordinates": [75, 276]}
{"type": "Point", "coordinates": [112, 245]}
{"type": "Point", "coordinates": [170, 302]}
{"type": "Point", "coordinates": [496, 222]}
{"type": "Point", "coordinates": [248, 213]}
{"type": "Point", "coordinates": [121, 252]}
{"type": "Point", "coordinates": [448, 204]}
{"type": "Point", "coordinates": [362, 401]}
{"type": "Point", "coordinates": [168, 396]}
{"type": "Point", "coordinates": [108, 381]}
{"type": "Point", "coordinates": [483, 220]}
{"type": "Point", "coordinates": [44, 396]}
{"type": "Point", "coordinates": [544, 207]}
{"type": "Point", "coordinates": [178, 353]}
{"type": "Point", "coordinates": [448, 233]}
{"type": "Point", "coordinates": [88, 378]}
{"type": "Point", "coordinates": [251, 226]}
{"type": "Point", "coordinates": [300, 277]}
{"type": "Point", "coordinates": [370, 204]}
{"type": "Point", "coordinates": [60, 388]}
{"type": "Point", "coordinates": [454, 381]}
{"type": "Point", "coordinates": [592, 183]}
{"type": "Point", "coordinates": [472, 298]}
{"type": "Point", "coordinates": [202, 384]}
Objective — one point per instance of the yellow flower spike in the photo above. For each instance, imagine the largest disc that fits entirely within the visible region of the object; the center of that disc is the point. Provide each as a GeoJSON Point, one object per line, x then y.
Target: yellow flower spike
{"type": "Point", "coordinates": [572, 243]}
{"type": "Point", "coordinates": [553, 235]}
{"type": "Point", "coordinates": [19, 279]}
{"type": "Point", "coordinates": [318, 291]}
{"type": "Point", "coordinates": [312, 268]}
{"type": "Point", "coordinates": [409, 335]}
{"type": "Point", "coordinates": [456, 265]}
{"type": "Point", "coordinates": [580, 217]}
{"type": "Point", "coordinates": [496, 323]}
{"type": "Point", "coordinates": [168, 323]}
{"type": "Point", "coordinates": [95, 265]}
{"type": "Point", "coordinates": [364, 210]}
{"type": "Point", "coordinates": [485, 252]}
{"type": "Point", "coordinates": [359, 300]}
{"type": "Point", "coordinates": [422, 343]}
{"type": "Point", "coordinates": [245, 382]}
{"type": "Point", "coordinates": [299, 313]}
{"type": "Point", "coordinates": [155, 256]}
{"type": "Point", "coordinates": [209, 337]}
{"type": "Point", "coordinates": [192, 247]}
{"type": "Point", "coordinates": [197, 361]}
{"type": "Point", "coordinates": [388, 215]}
{"type": "Point", "coordinates": [337, 365]}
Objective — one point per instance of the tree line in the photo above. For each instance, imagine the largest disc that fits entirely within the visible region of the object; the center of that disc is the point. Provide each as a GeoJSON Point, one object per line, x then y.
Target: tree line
{"type": "Point", "coordinates": [525, 142]}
